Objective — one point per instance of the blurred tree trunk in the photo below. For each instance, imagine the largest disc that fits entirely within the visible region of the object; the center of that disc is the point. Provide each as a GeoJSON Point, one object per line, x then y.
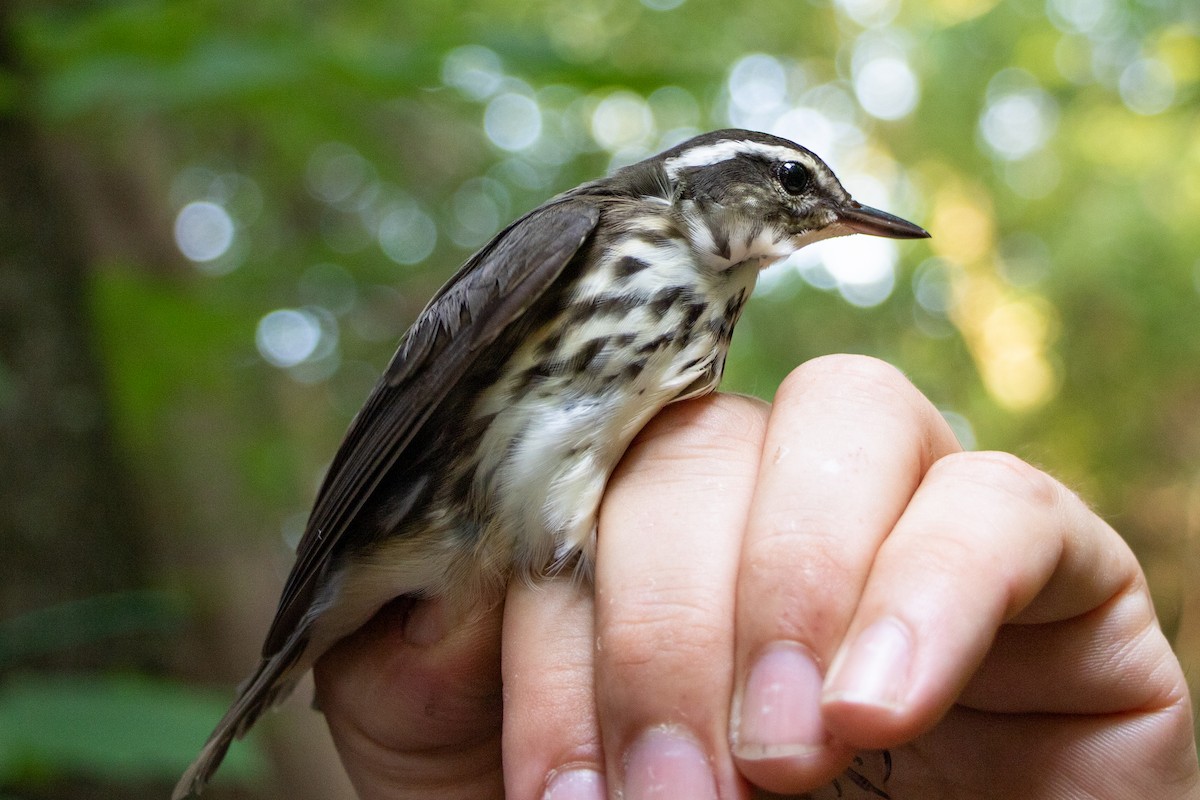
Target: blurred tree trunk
{"type": "Point", "coordinates": [67, 526]}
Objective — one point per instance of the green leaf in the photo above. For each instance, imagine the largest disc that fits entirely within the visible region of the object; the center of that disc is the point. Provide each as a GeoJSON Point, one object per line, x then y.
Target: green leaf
{"type": "Point", "coordinates": [122, 728]}
{"type": "Point", "coordinates": [81, 622]}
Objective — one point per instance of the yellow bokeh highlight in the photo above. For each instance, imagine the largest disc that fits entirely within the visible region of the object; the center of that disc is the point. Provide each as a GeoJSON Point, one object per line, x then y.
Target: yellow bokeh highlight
{"type": "Point", "coordinates": [1179, 49]}
{"type": "Point", "coordinates": [1012, 340]}
{"type": "Point", "coordinates": [1008, 331]}
{"type": "Point", "coordinates": [965, 229]}
{"type": "Point", "coordinates": [1112, 136]}
{"type": "Point", "coordinates": [953, 12]}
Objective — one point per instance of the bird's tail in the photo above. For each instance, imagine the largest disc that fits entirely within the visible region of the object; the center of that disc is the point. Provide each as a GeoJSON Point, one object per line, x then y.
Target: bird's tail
{"type": "Point", "coordinates": [270, 684]}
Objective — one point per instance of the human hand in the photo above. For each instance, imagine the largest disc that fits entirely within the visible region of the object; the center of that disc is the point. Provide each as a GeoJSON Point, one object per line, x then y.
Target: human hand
{"type": "Point", "coordinates": [778, 588]}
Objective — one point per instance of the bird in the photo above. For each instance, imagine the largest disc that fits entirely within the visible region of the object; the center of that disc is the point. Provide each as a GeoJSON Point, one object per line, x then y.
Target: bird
{"type": "Point", "coordinates": [483, 451]}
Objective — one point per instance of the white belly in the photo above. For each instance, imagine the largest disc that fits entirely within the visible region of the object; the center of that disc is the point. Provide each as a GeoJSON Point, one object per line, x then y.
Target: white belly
{"type": "Point", "coordinates": [547, 455]}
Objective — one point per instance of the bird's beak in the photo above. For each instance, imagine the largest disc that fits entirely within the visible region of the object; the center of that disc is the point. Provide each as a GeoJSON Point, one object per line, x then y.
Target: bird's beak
{"type": "Point", "coordinates": [873, 222]}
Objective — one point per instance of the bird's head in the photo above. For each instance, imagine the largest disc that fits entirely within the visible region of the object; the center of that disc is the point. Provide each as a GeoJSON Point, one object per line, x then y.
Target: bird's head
{"type": "Point", "coordinates": [747, 195]}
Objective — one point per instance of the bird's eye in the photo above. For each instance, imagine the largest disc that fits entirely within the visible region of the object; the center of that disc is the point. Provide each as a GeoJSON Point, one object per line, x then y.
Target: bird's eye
{"type": "Point", "coordinates": [794, 177]}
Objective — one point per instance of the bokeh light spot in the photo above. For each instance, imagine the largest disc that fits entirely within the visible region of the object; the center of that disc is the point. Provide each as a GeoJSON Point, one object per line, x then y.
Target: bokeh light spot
{"type": "Point", "coordinates": [865, 269]}
{"type": "Point", "coordinates": [1090, 17]}
{"type": "Point", "coordinates": [757, 84]}
{"type": "Point", "coordinates": [870, 13]}
{"type": "Point", "coordinates": [480, 207]}
{"type": "Point", "coordinates": [1147, 86]}
{"type": "Point", "coordinates": [1018, 124]}
{"type": "Point", "coordinates": [622, 120]}
{"type": "Point", "coordinates": [288, 336]}
{"type": "Point", "coordinates": [965, 228]}
{"type": "Point", "coordinates": [474, 70]}
{"type": "Point", "coordinates": [512, 121]}
{"type": "Point", "coordinates": [932, 287]}
{"type": "Point", "coordinates": [862, 269]}
{"type": "Point", "coordinates": [335, 172]}
{"type": "Point", "coordinates": [1012, 345]}
{"type": "Point", "coordinates": [406, 234]}
{"type": "Point", "coordinates": [808, 125]}
{"type": "Point", "coordinates": [203, 231]}
{"type": "Point", "coordinates": [886, 88]}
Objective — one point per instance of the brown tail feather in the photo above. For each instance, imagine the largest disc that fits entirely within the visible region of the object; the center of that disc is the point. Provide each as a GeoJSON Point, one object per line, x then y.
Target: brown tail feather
{"type": "Point", "coordinates": [270, 684]}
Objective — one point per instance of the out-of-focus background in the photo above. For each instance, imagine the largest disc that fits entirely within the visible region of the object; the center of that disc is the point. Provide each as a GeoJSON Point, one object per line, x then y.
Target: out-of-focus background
{"type": "Point", "coordinates": [218, 217]}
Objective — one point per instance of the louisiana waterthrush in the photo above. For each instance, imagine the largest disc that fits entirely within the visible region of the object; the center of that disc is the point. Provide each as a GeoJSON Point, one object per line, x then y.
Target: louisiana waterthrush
{"type": "Point", "coordinates": [485, 447]}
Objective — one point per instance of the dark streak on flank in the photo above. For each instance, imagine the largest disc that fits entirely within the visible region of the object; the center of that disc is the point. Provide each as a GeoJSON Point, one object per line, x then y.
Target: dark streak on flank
{"type": "Point", "coordinates": [735, 303]}
{"type": "Point", "coordinates": [590, 356]}
{"type": "Point", "coordinates": [615, 304]}
{"type": "Point", "coordinates": [633, 369]}
{"type": "Point", "coordinates": [665, 299]}
{"type": "Point", "coordinates": [629, 266]}
{"type": "Point", "coordinates": [624, 339]}
{"type": "Point", "coordinates": [694, 310]}
{"type": "Point", "coordinates": [657, 343]}
{"type": "Point", "coordinates": [550, 344]}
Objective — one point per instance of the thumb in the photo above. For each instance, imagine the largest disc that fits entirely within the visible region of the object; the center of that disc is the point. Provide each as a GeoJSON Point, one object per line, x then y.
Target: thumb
{"type": "Point", "coordinates": [413, 702]}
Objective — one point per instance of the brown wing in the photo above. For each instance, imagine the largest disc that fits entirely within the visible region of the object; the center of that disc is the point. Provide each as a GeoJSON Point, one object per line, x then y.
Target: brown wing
{"type": "Point", "coordinates": [487, 295]}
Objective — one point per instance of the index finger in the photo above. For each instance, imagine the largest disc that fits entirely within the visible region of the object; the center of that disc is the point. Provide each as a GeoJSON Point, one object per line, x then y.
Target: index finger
{"type": "Point", "coordinates": [847, 443]}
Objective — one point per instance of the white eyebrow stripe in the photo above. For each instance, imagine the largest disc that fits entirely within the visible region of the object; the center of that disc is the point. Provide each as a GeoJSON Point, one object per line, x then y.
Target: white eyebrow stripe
{"type": "Point", "coordinates": [709, 154]}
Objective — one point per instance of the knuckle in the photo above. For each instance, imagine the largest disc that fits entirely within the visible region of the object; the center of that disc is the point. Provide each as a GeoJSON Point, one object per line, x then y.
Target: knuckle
{"type": "Point", "coordinates": [659, 631]}
{"type": "Point", "coordinates": [850, 375]}
{"type": "Point", "coordinates": [866, 390]}
{"type": "Point", "coordinates": [1002, 473]}
{"type": "Point", "coordinates": [731, 414]}
{"type": "Point", "coordinates": [703, 419]}
{"type": "Point", "coordinates": [940, 560]}
{"type": "Point", "coordinates": [723, 428]}
{"type": "Point", "coordinates": [790, 569]}
{"type": "Point", "coordinates": [804, 550]}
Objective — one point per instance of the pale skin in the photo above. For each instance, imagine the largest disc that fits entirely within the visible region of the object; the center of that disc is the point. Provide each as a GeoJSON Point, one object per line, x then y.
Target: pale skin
{"type": "Point", "coordinates": [778, 587]}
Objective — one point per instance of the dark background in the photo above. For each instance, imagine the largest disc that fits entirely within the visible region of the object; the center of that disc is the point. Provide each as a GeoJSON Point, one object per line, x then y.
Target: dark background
{"type": "Point", "coordinates": [217, 218]}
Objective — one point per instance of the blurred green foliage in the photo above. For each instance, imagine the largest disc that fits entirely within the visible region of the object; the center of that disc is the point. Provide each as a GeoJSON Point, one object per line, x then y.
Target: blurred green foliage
{"type": "Point", "coordinates": [117, 729]}
{"type": "Point", "coordinates": [48, 630]}
{"type": "Point", "coordinates": [346, 157]}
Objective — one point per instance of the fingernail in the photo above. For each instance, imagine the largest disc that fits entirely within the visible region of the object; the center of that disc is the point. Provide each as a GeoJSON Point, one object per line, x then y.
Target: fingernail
{"type": "Point", "coordinates": [779, 712]}
{"type": "Point", "coordinates": [664, 764]}
{"type": "Point", "coordinates": [575, 784]}
{"type": "Point", "coordinates": [874, 671]}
